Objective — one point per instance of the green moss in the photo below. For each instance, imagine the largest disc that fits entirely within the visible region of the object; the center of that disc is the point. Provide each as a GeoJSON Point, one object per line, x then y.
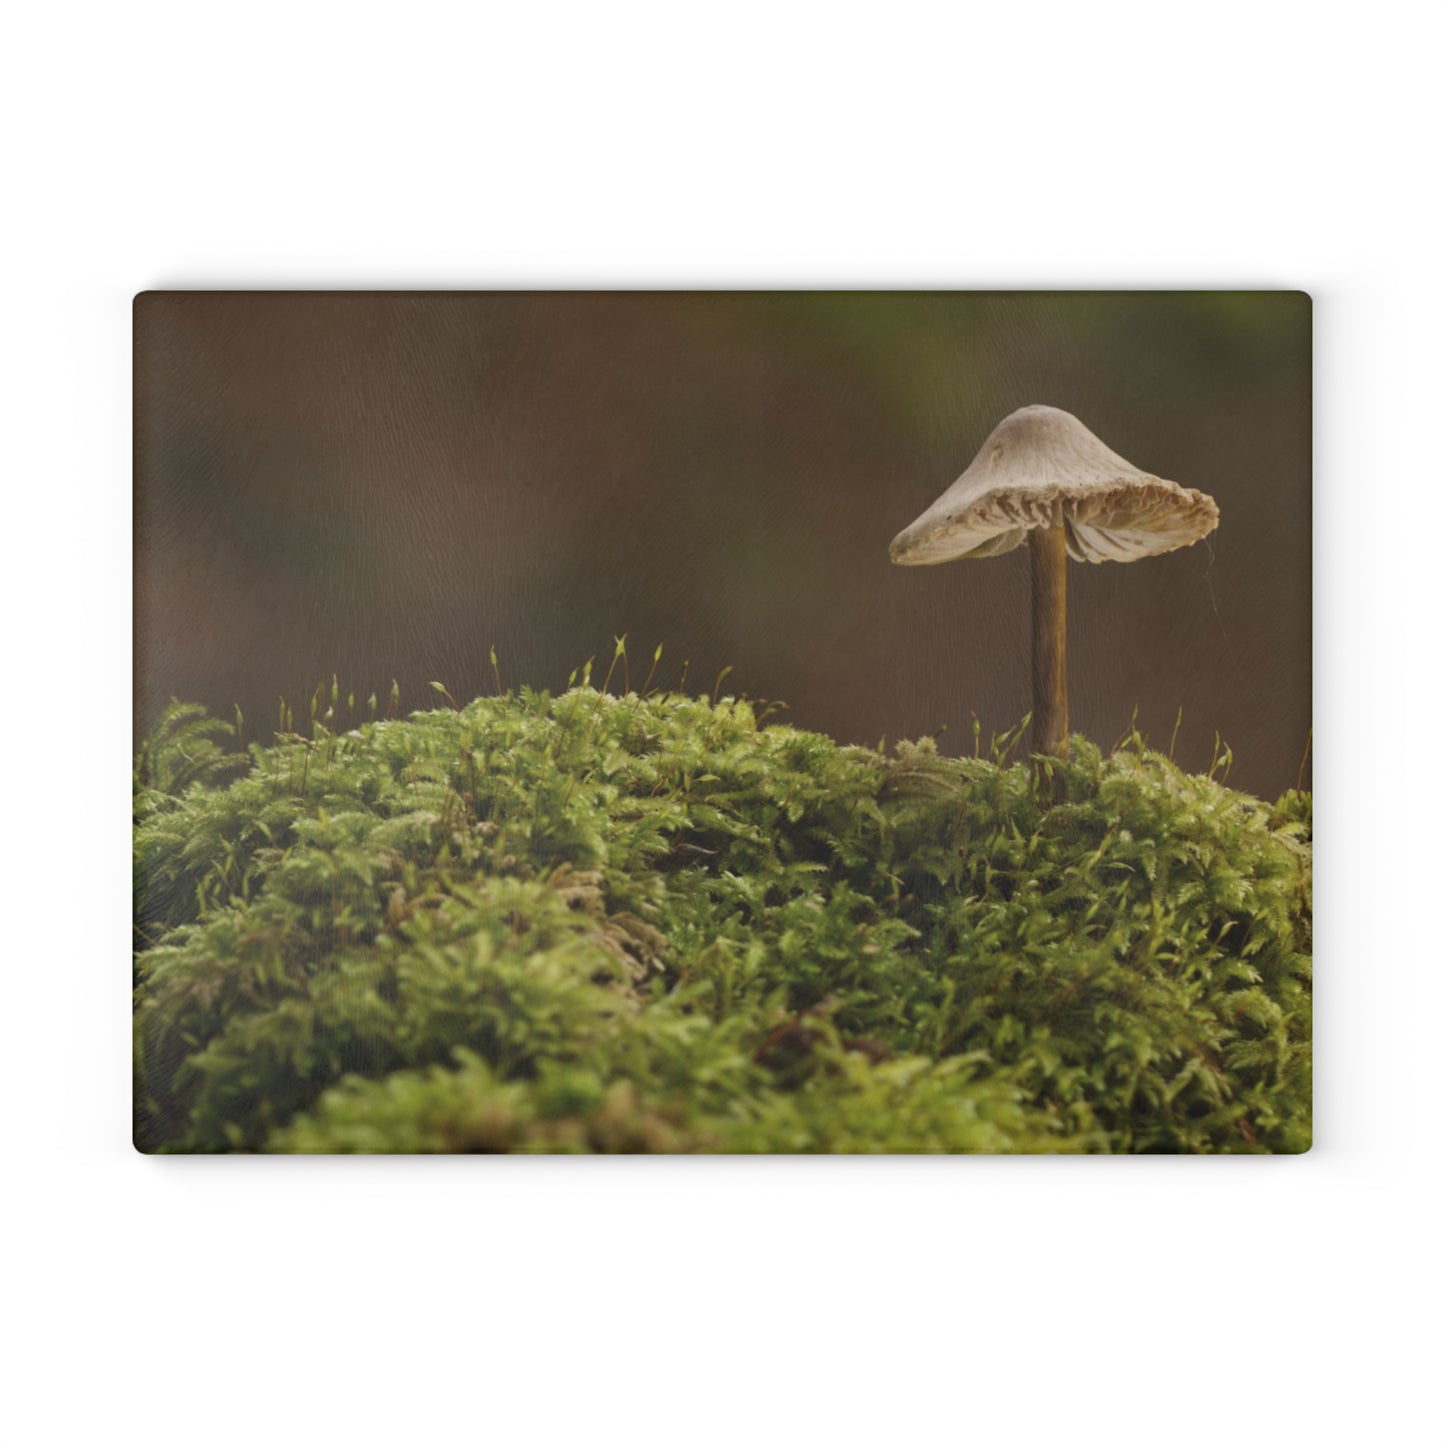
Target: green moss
{"type": "Point", "coordinates": [613, 923]}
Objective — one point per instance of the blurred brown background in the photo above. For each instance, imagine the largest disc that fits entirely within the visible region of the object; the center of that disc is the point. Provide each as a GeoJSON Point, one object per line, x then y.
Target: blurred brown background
{"type": "Point", "coordinates": [387, 485]}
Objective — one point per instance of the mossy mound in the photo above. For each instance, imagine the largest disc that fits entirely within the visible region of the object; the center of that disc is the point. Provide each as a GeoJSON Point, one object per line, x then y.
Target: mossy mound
{"type": "Point", "coordinates": [593, 922]}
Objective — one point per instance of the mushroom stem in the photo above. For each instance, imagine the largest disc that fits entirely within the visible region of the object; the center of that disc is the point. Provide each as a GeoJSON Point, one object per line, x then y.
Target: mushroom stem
{"type": "Point", "coordinates": [1051, 687]}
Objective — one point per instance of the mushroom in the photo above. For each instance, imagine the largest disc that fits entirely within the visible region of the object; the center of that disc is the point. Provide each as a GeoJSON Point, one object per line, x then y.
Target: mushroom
{"type": "Point", "coordinates": [1044, 476]}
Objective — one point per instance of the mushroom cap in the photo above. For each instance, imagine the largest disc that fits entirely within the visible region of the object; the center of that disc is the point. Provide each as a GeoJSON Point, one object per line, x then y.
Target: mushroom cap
{"type": "Point", "coordinates": [1042, 467]}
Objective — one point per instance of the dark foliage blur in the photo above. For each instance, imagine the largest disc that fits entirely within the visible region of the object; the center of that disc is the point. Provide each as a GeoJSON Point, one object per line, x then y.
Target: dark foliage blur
{"type": "Point", "coordinates": [385, 486]}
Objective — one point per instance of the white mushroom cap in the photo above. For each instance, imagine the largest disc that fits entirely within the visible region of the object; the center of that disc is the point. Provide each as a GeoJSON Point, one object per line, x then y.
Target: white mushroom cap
{"type": "Point", "coordinates": [1041, 467]}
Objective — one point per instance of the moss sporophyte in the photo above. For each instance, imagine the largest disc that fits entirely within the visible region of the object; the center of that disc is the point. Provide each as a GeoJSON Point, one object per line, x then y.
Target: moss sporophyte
{"type": "Point", "coordinates": [601, 922]}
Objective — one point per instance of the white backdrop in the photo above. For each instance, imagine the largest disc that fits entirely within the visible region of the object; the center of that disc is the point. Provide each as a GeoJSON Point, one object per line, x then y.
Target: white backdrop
{"type": "Point", "coordinates": [654, 145]}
